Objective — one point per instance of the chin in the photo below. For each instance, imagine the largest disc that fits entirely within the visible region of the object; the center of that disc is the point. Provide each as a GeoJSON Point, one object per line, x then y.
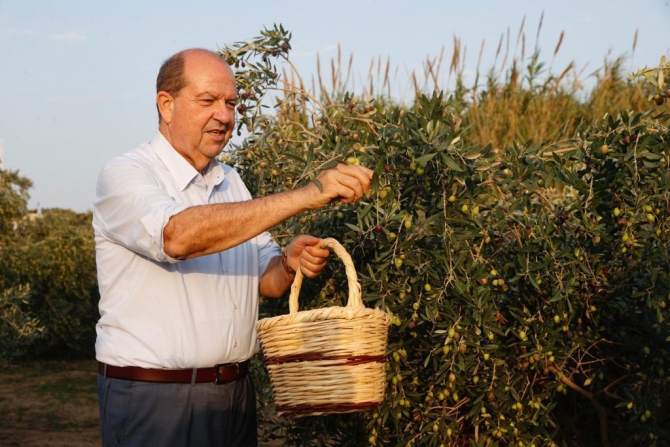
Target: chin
{"type": "Point", "coordinates": [217, 150]}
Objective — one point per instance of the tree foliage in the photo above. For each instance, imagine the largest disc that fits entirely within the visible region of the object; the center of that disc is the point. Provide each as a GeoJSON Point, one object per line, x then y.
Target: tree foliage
{"type": "Point", "coordinates": [13, 200]}
{"type": "Point", "coordinates": [528, 284]}
{"type": "Point", "coordinates": [18, 327]}
{"type": "Point", "coordinates": [52, 256]}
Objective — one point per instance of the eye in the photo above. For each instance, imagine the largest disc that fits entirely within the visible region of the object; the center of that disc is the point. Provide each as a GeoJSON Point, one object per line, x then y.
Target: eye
{"type": "Point", "coordinates": [206, 101]}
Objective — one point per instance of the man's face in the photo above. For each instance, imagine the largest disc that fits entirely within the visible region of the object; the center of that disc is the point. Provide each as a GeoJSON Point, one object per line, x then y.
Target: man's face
{"type": "Point", "coordinates": [203, 112]}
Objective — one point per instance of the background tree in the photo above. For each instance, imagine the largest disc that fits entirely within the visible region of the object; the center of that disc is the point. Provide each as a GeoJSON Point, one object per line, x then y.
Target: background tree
{"type": "Point", "coordinates": [13, 200]}
{"type": "Point", "coordinates": [18, 327]}
{"type": "Point", "coordinates": [47, 273]}
{"type": "Point", "coordinates": [55, 256]}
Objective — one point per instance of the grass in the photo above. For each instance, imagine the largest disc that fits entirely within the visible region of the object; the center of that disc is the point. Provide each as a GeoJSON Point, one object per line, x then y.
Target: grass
{"type": "Point", "coordinates": [52, 403]}
{"type": "Point", "coordinates": [49, 403]}
{"type": "Point", "coordinates": [521, 97]}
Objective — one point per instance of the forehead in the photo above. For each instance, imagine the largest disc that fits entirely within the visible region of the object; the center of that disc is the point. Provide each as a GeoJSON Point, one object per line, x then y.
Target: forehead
{"type": "Point", "coordinates": [208, 72]}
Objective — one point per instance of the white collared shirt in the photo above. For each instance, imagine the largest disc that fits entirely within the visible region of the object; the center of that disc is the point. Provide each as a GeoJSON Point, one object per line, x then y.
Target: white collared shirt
{"type": "Point", "coordinates": [155, 311]}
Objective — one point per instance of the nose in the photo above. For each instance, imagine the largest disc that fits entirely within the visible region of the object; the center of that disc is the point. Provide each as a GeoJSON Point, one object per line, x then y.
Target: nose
{"type": "Point", "coordinates": [225, 113]}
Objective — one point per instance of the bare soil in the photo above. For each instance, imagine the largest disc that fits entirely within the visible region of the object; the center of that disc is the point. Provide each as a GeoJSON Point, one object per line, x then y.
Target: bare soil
{"type": "Point", "coordinates": [49, 403]}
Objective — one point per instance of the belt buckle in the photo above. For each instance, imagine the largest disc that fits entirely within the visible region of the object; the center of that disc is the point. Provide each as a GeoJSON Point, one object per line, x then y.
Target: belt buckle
{"type": "Point", "coordinates": [217, 377]}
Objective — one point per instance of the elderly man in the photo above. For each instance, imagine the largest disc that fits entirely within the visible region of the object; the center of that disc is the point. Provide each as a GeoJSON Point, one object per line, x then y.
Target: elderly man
{"type": "Point", "coordinates": [183, 252]}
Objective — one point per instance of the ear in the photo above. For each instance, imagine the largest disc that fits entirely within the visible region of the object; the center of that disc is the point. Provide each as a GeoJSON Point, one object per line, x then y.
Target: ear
{"type": "Point", "coordinates": [165, 104]}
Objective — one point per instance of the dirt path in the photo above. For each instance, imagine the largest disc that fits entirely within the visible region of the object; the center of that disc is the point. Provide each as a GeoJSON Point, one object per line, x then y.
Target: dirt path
{"type": "Point", "coordinates": [49, 404]}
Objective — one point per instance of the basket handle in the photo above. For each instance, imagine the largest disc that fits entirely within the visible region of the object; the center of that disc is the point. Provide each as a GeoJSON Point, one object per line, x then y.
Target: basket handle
{"type": "Point", "coordinates": [355, 300]}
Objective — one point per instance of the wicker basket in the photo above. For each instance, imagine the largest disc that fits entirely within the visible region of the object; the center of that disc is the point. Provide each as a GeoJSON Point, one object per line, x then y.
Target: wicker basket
{"type": "Point", "coordinates": [329, 360]}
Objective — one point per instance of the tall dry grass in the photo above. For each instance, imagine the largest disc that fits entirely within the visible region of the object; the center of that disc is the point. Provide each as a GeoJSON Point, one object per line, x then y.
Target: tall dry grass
{"type": "Point", "coordinates": [517, 99]}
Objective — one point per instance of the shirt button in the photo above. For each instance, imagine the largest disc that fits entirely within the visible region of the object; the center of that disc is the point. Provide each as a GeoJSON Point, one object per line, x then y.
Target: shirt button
{"type": "Point", "coordinates": [235, 345]}
{"type": "Point", "coordinates": [235, 306]}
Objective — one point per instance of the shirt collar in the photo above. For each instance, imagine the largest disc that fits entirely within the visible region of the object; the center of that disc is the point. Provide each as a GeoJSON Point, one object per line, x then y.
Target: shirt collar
{"type": "Point", "coordinates": [181, 170]}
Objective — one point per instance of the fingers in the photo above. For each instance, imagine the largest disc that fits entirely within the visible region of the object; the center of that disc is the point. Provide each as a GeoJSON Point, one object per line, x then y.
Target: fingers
{"type": "Point", "coordinates": [359, 179]}
{"type": "Point", "coordinates": [346, 183]}
{"type": "Point", "coordinates": [299, 243]}
{"type": "Point", "coordinates": [349, 190]}
{"type": "Point", "coordinates": [303, 253]}
{"type": "Point", "coordinates": [313, 260]}
{"type": "Point", "coordinates": [361, 172]}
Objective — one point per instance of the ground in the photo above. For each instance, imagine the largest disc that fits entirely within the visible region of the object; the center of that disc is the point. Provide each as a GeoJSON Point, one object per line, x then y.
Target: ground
{"type": "Point", "coordinates": [49, 404]}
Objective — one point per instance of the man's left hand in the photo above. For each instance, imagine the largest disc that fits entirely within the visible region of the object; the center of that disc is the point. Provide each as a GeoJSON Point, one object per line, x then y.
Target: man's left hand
{"type": "Point", "coordinates": [303, 253]}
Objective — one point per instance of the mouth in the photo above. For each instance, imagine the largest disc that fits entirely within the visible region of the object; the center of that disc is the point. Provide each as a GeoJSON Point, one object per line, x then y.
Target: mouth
{"type": "Point", "coordinates": [217, 134]}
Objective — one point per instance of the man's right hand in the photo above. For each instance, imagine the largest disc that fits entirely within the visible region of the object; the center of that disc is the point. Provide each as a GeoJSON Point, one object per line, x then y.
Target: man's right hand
{"type": "Point", "coordinates": [343, 183]}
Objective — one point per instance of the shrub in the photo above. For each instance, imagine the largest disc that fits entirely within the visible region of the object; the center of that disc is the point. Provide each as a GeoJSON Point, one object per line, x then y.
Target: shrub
{"type": "Point", "coordinates": [528, 284]}
{"type": "Point", "coordinates": [55, 256]}
{"type": "Point", "coordinates": [18, 328]}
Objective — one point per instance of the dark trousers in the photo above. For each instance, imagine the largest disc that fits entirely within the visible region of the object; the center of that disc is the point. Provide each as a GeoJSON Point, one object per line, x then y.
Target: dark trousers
{"type": "Point", "coordinates": [172, 414]}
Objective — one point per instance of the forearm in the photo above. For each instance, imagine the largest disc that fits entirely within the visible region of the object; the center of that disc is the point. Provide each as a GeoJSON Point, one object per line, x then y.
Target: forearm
{"type": "Point", "coordinates": [276, 280]}
{"type": "Point", "coordinates": [206, 229]}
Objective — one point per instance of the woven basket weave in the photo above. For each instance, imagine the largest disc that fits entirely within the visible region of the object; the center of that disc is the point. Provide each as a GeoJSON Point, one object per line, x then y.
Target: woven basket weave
{"type": "Point", "coordinates": [329, 360]}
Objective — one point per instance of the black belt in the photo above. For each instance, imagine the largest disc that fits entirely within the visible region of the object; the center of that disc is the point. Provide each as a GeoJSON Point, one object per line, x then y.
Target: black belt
{"type": "Point", "coordinates": [218, 374]}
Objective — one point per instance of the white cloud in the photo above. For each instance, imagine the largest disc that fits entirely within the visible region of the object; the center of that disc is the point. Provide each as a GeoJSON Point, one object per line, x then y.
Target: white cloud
{"type": "Point", "coordinates": [69, 37]}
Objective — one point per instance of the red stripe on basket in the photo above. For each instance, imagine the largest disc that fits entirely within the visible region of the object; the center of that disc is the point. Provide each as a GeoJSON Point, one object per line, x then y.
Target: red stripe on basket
{"type": "Point", "coordinates": [309, 357]}
{"type": "Point", "coordinates": [323, 409]}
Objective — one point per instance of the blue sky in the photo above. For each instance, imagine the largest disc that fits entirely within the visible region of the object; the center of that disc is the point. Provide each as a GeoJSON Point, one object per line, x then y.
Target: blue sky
{"type": "Point", "coordinates": [77, 77]}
